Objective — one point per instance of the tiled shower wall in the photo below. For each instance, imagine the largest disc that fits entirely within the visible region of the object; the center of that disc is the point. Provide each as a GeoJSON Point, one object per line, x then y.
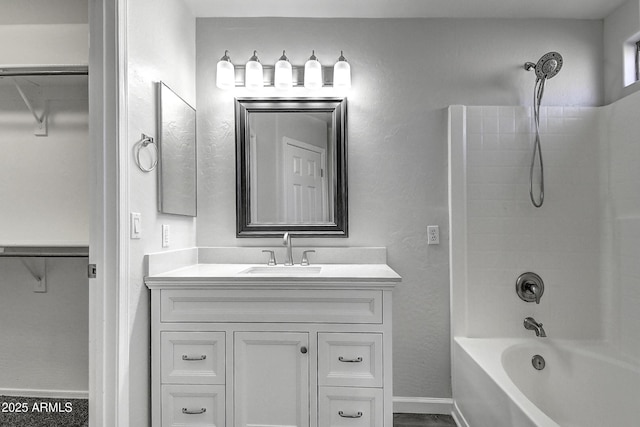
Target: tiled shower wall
{"type": "Point", "coordinates": [507, 235]}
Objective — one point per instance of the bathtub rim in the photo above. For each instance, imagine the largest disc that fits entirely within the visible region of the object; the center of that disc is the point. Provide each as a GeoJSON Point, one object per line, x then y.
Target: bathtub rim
{"type": "Point", "coordinates": [487, 355]}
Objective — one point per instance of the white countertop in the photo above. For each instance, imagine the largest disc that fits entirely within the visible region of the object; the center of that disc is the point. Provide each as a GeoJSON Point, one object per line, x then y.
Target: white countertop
{"type": "Point", "coordinates": [257, 273]}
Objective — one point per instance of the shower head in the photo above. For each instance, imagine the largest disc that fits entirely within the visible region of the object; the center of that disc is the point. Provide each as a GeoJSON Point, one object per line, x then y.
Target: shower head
{"type": "Point", "coordinates": [548, 66]}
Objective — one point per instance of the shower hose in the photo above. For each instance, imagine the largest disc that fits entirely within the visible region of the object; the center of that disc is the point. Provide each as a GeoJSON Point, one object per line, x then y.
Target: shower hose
{"type": "Point", "coordinates": [537, 149]}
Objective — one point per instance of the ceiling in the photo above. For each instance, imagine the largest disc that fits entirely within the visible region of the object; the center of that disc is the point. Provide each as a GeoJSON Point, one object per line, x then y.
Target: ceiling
{"type": "Point", "coordinates": [76, 11]}
{"type": "Point", "coordinates": [570, 9]}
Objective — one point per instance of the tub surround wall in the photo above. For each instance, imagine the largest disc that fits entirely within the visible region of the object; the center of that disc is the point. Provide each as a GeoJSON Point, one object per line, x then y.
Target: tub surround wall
{"type": "Point", "coordinates": [584, 241]}
{"type": "Point", "coordinates": [161, 47]}
{"type": "Point", "coordinates": [621, 211]}
{"type": "Point", "coordinates": [405, 73]}
{"type": "Point", "coordinates": [507, 236]}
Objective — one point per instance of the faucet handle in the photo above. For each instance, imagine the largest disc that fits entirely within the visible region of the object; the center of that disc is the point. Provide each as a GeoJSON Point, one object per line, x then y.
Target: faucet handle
{"type": "Point", "coordinates": [272, 257]}
{"type": "Point", "coordinates": [305, 259]}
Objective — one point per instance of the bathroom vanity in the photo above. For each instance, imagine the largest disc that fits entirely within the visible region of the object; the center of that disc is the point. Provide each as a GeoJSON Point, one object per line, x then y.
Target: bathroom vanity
{"type": "Point", "coordinates": [256, 345]}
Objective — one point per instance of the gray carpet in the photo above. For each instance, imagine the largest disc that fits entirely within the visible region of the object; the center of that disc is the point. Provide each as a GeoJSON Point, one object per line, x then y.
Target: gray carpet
{"type": "Point", "coordinates": [41, 412]}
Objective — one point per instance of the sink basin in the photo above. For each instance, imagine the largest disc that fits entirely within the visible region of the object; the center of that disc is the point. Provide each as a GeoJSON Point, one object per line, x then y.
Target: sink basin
{"type": "Point", "coordinates": [275, 270]}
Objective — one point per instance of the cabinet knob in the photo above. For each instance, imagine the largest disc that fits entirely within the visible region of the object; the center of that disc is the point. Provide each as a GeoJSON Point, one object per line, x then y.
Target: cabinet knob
{"type": "Point", "coordinates": [303, 350]}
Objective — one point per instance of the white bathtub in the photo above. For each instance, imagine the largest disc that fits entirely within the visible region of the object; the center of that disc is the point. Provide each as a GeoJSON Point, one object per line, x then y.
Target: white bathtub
{"type": "Point", "coordinates": [582, 384]}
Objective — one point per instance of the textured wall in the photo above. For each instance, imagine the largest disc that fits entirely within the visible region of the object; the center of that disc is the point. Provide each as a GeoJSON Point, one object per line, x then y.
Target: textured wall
{"type": "Point", "coordinates": [405, 74]}
{"type": "Point", "coordinates": [161, 47]}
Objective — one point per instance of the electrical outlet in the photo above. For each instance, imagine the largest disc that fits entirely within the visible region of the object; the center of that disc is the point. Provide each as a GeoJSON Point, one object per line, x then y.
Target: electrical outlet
{"type": "Point", "coordinates": [433, 235]}
{"type": "Point", "coordinates": [165, 236]}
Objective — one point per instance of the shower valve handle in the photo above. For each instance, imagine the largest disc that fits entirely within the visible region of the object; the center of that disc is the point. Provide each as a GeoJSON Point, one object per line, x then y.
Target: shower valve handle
{"type": "Point", "coordinates": [530, 287]}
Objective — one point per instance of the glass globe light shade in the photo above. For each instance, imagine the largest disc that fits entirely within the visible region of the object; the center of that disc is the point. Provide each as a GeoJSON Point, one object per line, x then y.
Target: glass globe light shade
{"type": "Point", "coordinates": [253, 78]}
{"type": "Point", "coordinates": [313, 73]}
{"type": "Point", "coordinates": [283, 78]}
{"type": "Point", "coordinates": [342, 74]}
{"type": "Point", "coordinates": [225, 73]}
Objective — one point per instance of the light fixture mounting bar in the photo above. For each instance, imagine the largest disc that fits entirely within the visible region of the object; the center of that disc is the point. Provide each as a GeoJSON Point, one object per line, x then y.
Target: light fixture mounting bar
{"type": "Point", "coordinates": [297, 71]}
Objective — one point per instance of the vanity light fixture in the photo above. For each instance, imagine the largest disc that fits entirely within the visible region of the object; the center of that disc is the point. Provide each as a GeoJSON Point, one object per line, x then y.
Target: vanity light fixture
{"type": "Point", "coordinates": [283, 74]}
{"type": "Point", "coordinates": [253, 73]}
{"type": "Point", "coordinates": [313, 72]}
{"type": "Point", "coordinates": [342, 73]}
{"type": "Point", "coordinates": [225, 73]}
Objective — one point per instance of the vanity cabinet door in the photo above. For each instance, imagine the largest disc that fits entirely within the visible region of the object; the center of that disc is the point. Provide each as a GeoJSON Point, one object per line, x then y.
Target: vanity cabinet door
{"type": "Point", "coordinates": [271, 379]}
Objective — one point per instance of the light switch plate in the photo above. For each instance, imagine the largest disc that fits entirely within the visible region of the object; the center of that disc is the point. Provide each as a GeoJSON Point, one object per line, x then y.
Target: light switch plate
{"type": "Point", "coordinates": [136, 225]}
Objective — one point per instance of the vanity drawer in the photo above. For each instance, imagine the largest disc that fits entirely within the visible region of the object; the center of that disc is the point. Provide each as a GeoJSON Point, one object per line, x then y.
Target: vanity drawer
{"type": "Point", "coordinates": [350, 359]}
{"type": "Point", "coordinates": [273, 305]}
{"type": "Point", "coordinates": [192, 357]}
{"type": "Point", "coordinates": [193, 405]}
{"type": "Point", "coordinates": [350, 407]}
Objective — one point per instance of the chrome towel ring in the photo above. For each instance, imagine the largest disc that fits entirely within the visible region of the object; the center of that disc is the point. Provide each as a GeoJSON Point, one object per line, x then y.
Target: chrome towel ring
{"type": "Point", "coordinates": [144, 142]}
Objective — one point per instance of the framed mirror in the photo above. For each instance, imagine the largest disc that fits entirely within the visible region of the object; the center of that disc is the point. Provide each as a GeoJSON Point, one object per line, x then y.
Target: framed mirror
{"type": "Point", "coordinates": [177, 154]}
{"type": "Point", "coordinates": [291, 167]}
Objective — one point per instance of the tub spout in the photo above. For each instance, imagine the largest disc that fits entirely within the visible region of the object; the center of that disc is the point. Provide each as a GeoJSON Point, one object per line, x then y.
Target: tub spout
{"type": "Point", "coordinates": [531, 324]}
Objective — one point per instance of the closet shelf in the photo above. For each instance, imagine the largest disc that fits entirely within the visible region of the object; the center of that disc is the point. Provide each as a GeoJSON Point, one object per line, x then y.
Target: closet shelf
{"type": "Point", "coordinates": [44, 251]}
{"type": "Point", "coordinates": [12, 72]}
{"type": "Point", "coordinates": [43, 70]}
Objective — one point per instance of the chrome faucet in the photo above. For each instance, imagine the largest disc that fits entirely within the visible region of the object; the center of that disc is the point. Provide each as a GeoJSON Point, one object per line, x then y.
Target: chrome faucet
{"type": "Point", "coordinates": [531, 324]}
{"type": "Point", "coordinates": [287, 242]}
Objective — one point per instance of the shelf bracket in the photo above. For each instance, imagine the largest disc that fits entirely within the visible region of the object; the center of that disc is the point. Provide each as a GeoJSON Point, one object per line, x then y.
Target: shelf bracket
{"type": "Point", "coordinates": [41, 278]}
{"type": "Point", "coordinates": [41, 120]}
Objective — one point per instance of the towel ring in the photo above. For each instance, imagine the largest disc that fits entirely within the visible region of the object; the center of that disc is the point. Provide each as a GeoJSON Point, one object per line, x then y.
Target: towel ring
{"type": "Point", "coordinates": [143, 143]}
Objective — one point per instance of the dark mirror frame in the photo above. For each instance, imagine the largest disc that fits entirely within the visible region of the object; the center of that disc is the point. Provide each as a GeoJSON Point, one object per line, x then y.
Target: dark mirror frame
{"type": "Point", "coordinates": [338, 108]}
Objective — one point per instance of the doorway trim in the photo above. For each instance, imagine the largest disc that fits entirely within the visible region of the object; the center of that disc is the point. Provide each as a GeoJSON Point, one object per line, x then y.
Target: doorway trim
{"type": "Point", "coordinates": [108, 250]}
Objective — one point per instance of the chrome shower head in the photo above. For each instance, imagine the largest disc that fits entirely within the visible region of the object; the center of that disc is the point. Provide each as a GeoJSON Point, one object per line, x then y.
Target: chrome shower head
{"type": "Point", "coordinates": [548, 66]}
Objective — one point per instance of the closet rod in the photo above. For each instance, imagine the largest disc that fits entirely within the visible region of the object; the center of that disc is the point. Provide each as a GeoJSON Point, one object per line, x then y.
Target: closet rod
{"type": "Point", "coordinates": [44, 251]}
{"type": "Point", "coordinates": [53, 70]}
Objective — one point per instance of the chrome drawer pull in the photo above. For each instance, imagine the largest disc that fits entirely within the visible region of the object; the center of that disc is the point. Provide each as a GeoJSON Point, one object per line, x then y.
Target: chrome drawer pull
{"type": "Point", "coordinates": [185, 357]}
{"type": "Point", "coordinates": [343, 415]}
{"type": "Point", "coordinates": [196, 412]}
{"type": "Point", "coordinates": [356, 360]}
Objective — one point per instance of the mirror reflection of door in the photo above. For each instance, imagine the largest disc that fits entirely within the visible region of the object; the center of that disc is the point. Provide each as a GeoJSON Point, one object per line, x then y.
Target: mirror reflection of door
{"type": "Point", "coordinates": [289, 170]}
{"type": "Point", "coordinates": [305, 182]}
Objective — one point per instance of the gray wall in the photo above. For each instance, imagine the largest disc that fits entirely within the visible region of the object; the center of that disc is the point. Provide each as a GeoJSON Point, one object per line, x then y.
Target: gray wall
{"type": "Point", "coordinates": [405, 73]}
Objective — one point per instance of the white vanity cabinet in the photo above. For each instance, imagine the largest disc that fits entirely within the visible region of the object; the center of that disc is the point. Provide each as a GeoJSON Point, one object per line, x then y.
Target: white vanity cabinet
{"type": "Point", "coordinates": [230, 350]}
